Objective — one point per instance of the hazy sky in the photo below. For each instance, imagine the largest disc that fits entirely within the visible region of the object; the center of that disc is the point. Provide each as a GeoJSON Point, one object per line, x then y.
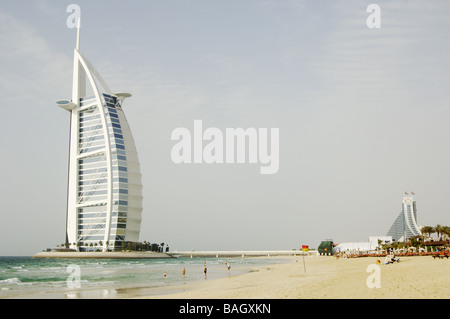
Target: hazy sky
{"type": "Point", "coordinates": [362, 113]}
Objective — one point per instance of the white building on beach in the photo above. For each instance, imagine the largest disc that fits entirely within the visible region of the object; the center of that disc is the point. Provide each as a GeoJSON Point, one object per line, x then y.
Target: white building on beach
{"type": "Point", "coordinates": [405, 225]}
{"type": "Point", "coordinates": [104, 200]}
{"type": "Point", "coordinates": [371, 245]}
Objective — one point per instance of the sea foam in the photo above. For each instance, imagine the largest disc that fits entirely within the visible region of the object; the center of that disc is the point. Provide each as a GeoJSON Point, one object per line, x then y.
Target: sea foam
{"type": "Point", "coordinates": [10, 281]}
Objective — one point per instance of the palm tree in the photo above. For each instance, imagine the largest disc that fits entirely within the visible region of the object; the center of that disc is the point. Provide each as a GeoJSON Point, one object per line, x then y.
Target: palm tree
{"type": "Point", "coordinates": [427, 230]}
{"type": "Point", "coordinates": [438, 229]}
{"type": "Point", "coordinates": [446, 231]}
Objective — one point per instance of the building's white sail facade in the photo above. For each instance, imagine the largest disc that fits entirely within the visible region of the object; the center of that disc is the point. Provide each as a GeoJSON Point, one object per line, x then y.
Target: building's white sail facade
{"type": "Point", "coordinates": [405, 225]}
{"type": "Point", "coordinates": [104, 205]}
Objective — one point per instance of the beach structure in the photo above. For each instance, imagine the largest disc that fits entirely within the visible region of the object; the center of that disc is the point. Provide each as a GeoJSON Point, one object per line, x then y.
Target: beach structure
{"type": "Point", "coordinates": [405, 225]}
{"type": "Point", "coordinates": [104, 192]}
{"type": "Point", "coordinates": [326, 247]}
{"type": "Point", "coordinates": [371, 245]}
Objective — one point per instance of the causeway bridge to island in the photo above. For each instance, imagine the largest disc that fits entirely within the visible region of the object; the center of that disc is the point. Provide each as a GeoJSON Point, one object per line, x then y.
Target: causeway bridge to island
{"type": "Point", "coordinates": [174, 254]}
{"type": "Point", "coordinates": [240, 253]}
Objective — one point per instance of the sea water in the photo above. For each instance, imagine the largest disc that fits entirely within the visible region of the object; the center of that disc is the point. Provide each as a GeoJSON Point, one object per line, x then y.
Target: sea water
{"type": "Point", "coordinates": [26, 277]}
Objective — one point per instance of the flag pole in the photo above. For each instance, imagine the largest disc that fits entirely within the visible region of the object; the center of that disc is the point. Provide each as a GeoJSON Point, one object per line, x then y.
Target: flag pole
{"type": "Point", "coordinates": [304, 266]}
{"type": "Point", "coordinates": [304, 250]}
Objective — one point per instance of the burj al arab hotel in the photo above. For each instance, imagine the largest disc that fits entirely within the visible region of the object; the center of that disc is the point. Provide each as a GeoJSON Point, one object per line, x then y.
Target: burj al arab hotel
{"type": "Point", "coordinates": [104, 200]}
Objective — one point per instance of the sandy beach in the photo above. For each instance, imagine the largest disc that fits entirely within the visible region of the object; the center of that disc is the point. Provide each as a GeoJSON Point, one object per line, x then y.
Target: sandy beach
{"type": "Point", "coordinates": [327, 277]}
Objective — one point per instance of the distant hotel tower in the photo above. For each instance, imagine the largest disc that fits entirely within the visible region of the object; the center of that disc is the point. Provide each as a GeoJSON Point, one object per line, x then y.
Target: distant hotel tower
{"type": "Point", "coordinates": [104, 200]}
{"type": "Point", "coordinates": [405, 226]}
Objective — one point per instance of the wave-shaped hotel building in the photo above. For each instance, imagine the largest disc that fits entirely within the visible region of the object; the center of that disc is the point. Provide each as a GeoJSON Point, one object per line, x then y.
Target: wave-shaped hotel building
{"type": "Point", "coordinates": [406, 225]}
{"type": "Point", "coordinates": [104, 200]}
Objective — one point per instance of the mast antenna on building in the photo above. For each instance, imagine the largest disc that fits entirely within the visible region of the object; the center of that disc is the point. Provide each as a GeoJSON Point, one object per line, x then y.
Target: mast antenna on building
{"type": "Point", "coordinates": [78, 33]}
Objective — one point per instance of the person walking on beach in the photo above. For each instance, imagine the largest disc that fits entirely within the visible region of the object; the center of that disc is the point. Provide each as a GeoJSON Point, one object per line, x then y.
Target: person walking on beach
{"type": "Point", "coordinates": [184, 273]}
{"type": "Point", "coordinates": [204, 269]}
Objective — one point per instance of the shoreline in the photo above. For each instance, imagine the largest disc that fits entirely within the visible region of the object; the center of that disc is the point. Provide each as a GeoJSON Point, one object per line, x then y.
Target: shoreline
{"type": "Point", "coordinates": [327, 277]}
{"type": "Point", "coordinates": [93, 285]}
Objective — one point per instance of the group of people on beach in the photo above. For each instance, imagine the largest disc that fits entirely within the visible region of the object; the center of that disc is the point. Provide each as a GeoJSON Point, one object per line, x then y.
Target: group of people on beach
{"type": "Point", "coordinates": [205, 270]}
{"type": "Point", "coordinates": [390, 259]}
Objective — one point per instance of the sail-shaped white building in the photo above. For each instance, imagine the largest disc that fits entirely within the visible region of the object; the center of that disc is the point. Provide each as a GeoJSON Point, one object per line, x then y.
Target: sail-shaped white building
{"type": "Point", "coordinates": [405, 225]}
{"type": "Point", "coordinates": [104, 200]}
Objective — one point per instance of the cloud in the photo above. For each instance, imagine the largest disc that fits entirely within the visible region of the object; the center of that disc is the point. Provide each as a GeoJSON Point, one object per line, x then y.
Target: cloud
{"type": "Point", "coordinates": [34, 75]}
{"type": "Point", "coordinates": [29, 62]}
